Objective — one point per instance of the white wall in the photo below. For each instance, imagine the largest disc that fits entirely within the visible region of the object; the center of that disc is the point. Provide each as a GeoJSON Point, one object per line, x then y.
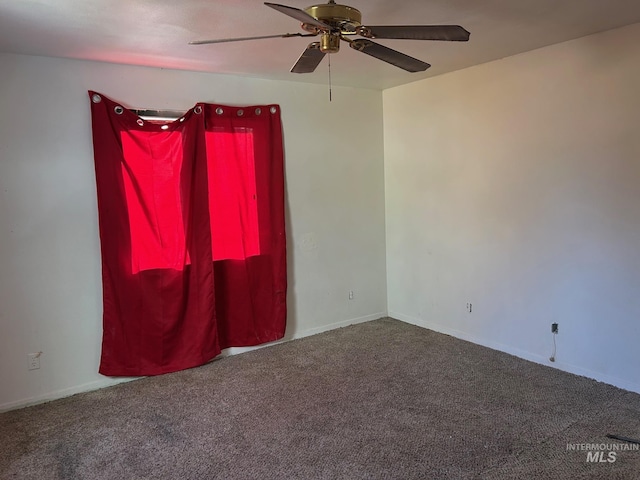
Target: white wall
{"type": "Point", "coordinates": [50, 288]}
{"type": "Point", "coordinates": [515, 186]}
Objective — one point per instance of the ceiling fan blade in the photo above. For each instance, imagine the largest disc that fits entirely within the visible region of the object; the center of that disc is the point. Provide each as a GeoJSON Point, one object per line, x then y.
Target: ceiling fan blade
{"type": "Point", "coordinates": [388, 55]}
{"type": "Point", "coordinates": [242, 39]}
{"type": "Point", "coordinates": [450, 33]}
{"type": "Point", "coordinates": [298, 14]}
{"type": "Point", "coordinates": [309, 59]}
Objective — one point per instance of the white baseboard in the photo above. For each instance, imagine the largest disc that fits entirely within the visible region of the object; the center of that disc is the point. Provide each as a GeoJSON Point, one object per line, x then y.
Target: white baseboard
{"type": "Point", "coordinates": [108, 381]}
{"type": "Point", "coordinates": [532, 357]}
{"type": "Point", "coordinates": [305, 333]}
{"type": "Point", "coordinates": [65, 392]}
{"type": "Point", "coordinates": [344, 323]}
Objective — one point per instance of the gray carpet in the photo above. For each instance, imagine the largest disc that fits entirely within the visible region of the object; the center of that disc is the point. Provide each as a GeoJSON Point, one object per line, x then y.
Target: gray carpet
{"type": "Point", "coordinates": [379, 400]}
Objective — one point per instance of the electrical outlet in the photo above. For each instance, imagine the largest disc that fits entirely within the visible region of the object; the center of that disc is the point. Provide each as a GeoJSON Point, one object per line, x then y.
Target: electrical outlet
{"type": "Point", "coordinates": [34, 360]}
{"type": "Point", "coordinates": [554, 328]}
{"type": "Point", "coordinates": [350, 294]}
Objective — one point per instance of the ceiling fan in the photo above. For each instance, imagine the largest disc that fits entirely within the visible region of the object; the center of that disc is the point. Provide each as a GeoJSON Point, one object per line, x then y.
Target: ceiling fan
{"type": "Point", "coordinates": [335, 22]}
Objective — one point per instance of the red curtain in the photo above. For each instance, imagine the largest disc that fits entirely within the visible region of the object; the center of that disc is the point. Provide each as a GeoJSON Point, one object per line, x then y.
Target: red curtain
{"type": "Point", "coordinates": [191, 219]}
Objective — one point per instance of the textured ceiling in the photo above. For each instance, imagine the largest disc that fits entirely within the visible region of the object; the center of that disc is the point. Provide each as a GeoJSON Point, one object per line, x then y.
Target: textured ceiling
{"type": "Point", "coordinates": [157, 32]}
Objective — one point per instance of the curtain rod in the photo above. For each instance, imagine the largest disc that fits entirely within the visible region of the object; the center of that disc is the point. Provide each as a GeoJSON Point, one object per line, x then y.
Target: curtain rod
{"type": "Point", "coordinates": [158, 113]}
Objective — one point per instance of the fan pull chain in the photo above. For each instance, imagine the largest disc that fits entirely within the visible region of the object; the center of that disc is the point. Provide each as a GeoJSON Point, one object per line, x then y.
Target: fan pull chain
{"type": "Point", "coordinates": [329, 77]}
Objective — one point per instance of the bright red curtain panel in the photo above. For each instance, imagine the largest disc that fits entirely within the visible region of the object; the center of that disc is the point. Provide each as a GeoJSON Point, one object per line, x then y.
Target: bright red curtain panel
{"type": "Point", "coordinates": [191, 217]}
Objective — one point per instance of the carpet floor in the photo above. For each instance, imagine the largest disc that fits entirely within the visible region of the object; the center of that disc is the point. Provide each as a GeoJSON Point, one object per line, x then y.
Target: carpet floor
{"type": "Point", "coordinates": [378, 400]}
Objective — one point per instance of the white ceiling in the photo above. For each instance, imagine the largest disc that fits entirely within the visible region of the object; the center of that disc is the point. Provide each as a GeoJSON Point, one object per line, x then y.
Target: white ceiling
{"type": "Point", "coordinates": [156, 33]}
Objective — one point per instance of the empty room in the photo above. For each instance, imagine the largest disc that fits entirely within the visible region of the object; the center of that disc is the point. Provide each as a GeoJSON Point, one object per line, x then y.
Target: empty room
{"type": "Point", "coordinates": [376, 240]}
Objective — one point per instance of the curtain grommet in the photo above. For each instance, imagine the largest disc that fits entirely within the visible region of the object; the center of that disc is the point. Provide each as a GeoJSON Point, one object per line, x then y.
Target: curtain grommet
{"type": "Point", "coordinates": [140, 122]}
{"type": "Point", "coordinates": [240, 112]}
{"type": "Point", "coordinates": [197, 110]}
{"type": "Point", "coordinates": [95, 98]}
{"type": "Point", "coordinates": [258, 111]}
{"type": "Point", "coordinates": [118, 109]}
{"type": "Point", "coordinates": [164, 127]}
{"type": "Point", "coordinates": [273, 109]}
{"type": "Point", "coordinates": [219, 111]}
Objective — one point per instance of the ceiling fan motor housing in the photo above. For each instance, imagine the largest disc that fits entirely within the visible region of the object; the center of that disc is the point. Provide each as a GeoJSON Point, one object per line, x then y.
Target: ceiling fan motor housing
{"type": "Point", "coordinates": [342, 19]}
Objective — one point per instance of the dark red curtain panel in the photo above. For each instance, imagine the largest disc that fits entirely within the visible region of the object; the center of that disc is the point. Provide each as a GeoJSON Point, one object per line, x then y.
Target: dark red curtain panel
{"type": "Point", "coordinates": [246, 204]}
{"type": "Point", "coordinates": [191, 217]}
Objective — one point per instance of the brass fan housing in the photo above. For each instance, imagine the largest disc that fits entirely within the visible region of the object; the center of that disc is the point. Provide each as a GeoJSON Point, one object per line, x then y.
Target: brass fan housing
{"type": "Point", "coordinates": [340, 17]}
{"type": "Point", "coordinates": [329, 42]}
